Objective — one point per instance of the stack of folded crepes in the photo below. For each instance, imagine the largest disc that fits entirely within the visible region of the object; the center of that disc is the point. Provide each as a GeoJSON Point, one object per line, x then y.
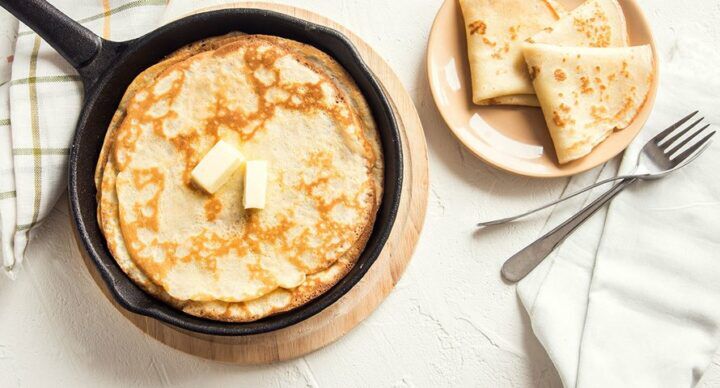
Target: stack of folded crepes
{"type": "Point", "coordinates": [577, 66]}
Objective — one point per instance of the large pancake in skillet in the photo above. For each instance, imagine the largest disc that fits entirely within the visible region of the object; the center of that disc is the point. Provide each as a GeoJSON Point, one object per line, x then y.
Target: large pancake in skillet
{"type": "Point", "coordinates": [279, 299]}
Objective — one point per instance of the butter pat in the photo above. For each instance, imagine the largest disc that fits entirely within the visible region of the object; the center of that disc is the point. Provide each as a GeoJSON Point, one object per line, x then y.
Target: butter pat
{"type": "Point", "coordinates": [216, 167]}
{"type": "Point", "coordinates": [255, 184]}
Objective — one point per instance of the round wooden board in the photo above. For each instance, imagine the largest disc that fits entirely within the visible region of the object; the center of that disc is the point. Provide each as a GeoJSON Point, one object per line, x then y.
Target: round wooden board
{"type": "Point", "coordinates": [364, 298]}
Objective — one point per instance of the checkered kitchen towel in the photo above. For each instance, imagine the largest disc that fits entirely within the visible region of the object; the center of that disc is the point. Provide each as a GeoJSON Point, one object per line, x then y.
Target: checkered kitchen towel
{"type": "Point", "coordinates": [40, 99]}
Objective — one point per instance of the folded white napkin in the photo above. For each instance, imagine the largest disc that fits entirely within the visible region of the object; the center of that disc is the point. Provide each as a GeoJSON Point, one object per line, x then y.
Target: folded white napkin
{"type": "Point", "coordinates": [632, 299]}
{"type": "Point", "coordinates": [40, 100]}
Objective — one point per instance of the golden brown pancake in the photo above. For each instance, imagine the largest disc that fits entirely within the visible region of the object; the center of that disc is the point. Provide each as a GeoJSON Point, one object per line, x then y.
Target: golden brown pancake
{"type": "Point", "coordinates": [586, 92]}
{"type": "Point", "coordinates": [270, 299]}
{"type": "Point", "coordinates": [595, 23]}
{"type": "Point", "coordinates": [495, 31]}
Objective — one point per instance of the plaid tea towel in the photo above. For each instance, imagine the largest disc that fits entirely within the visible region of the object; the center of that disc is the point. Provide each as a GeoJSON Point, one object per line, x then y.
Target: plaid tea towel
{"type": "Point", "coordinates": [40, 100]}
{"type": "Point", "coordinates": [8, 33]}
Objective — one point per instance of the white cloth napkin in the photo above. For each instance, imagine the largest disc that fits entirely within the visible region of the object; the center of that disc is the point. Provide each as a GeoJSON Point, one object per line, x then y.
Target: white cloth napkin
{"type": "Point", "coordinates": [632, 299]}
{"type": "Point", "coordinates": [40, 100]}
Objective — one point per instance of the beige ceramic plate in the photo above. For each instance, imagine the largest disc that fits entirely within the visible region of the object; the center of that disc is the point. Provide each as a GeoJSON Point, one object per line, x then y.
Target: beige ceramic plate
{"type": "Point", "coordinates": [515, 139]}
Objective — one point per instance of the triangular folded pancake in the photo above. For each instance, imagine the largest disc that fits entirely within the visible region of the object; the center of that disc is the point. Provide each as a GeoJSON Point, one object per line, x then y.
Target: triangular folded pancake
{"type": "Point", "coordinates": [596, 23]}
{"type": "Point", "coordinates": [586, 93]}
{"type": "Point", "coordinates": [495, 31]}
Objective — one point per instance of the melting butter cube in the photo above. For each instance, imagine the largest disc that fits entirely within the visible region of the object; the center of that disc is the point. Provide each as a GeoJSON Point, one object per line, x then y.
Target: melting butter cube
{"type": "Point", "coordinates": [217, 167]}
{"type": "Point", "coordinates": [255, 184]}
{"type": "Point", "coordinates": [291, 280]}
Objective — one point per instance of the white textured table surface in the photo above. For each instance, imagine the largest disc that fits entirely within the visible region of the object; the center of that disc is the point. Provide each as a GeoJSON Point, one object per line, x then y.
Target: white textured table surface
{"type": "Point", "coordinates": [451, 319]}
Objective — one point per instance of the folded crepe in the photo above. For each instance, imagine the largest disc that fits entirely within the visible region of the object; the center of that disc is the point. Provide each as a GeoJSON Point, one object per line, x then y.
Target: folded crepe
{"type": "Point", "coordinates": [595, 23]}
{"type": "Point", "coordinates": [513, 99]}
{"type": "Point", "coordinates": [495, 32]}
{"type": "Point", "coordinates": [586, 93]}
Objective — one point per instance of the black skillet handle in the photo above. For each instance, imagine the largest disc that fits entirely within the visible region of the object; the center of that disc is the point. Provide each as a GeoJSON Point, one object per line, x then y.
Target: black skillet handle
{"type": "Point", "coordinates": [89, 54]}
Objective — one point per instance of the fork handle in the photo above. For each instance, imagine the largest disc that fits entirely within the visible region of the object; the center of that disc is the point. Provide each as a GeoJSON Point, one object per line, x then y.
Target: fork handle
{"type": "Point", "coordinates": [500, 221]}
{"type": "Point", "coordinates": [523, 262]}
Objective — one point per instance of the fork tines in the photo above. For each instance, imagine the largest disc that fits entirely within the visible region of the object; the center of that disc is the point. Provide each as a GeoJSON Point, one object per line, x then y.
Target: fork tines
{"type": "Point", "coordinates": [674, 137]}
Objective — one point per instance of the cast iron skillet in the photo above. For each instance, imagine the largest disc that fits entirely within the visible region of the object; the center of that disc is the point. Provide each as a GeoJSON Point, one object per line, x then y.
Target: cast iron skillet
{"type": "Point", "coordinates": [107, 68]}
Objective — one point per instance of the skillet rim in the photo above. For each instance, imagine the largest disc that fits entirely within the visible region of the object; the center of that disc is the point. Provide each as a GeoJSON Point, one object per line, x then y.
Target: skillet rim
{"type": "Point", "coordinates": [100, 256]}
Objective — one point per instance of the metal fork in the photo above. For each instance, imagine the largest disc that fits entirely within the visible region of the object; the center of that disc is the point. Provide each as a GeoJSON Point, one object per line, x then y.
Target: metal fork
{"type": "Point", "coordinates": [669, 151]}
{"type": "Point", "coordinates": [651, 165]}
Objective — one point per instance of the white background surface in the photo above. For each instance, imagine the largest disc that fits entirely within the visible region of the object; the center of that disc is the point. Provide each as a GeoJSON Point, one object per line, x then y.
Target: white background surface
{"type": "Point", "coordinates": [450, 321]}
